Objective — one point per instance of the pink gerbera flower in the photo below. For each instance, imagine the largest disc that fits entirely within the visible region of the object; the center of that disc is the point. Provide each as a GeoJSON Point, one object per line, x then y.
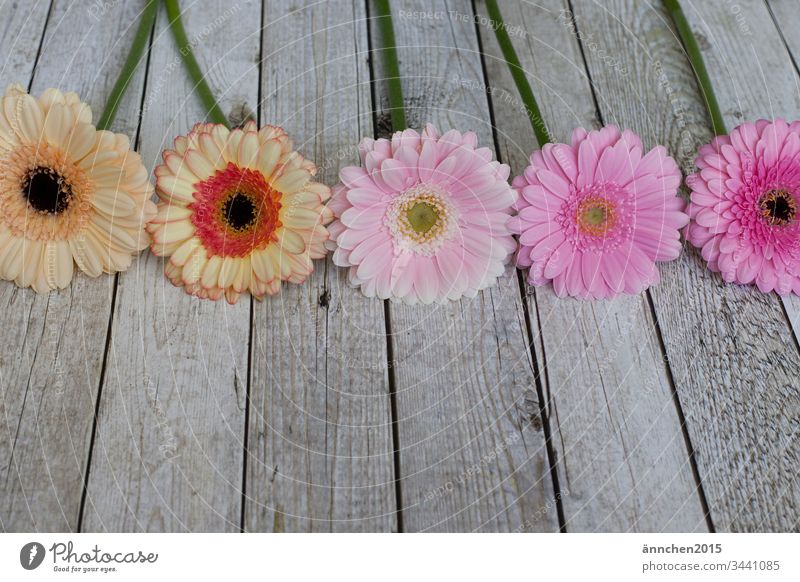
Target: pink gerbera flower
{"type": "Point", "coordinates": [744, 205]}
{"type": "Point", "coordinates": [424, 218]}
{"type": "Point", "coordinates": [595, 216]}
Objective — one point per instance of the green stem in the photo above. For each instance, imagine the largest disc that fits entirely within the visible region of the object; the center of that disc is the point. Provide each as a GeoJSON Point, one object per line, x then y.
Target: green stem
{"type": "Point", "coordinates": [134, 57]}
{"type": "Point", "coordinates": [391, 65]}
{"type": "Point", "coordinates": [696, 59]}
{"type": "Point", "coordinates": [518, 73]}
{"type": "Point", "coordinates": [215, 114]}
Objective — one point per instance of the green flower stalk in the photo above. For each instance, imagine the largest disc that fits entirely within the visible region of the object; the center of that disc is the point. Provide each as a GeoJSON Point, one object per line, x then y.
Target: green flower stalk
{"type": "Point", "coordinates": [146, 20]}
{"type": "Point", "coordinates": [518, 73]}
{"type": "Point", "coordinates": [675, 12]}
{"type": "Point", "coordinates": [215, 114]}
{"type": "Point", "coordinates": [391, 65]}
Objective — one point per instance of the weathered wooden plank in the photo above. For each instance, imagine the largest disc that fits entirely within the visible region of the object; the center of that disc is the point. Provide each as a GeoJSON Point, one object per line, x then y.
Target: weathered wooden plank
{"type": "Point", "coordinates": [320, 443]}
{"type": "Point", "coordinates": [731, 350]}
{"type": "Point", "coordinates": [778, 81]}
{"type": "Point", "coordinates": [50, 379]}
{"type": "Point", "coordinates": [21, 29]}
{"type": "Point", "coordinates": [169, 447]}
{"type": "Point", "coordinates": [622, 461]}
{"type": "Point", "coordinates": [471, 440]}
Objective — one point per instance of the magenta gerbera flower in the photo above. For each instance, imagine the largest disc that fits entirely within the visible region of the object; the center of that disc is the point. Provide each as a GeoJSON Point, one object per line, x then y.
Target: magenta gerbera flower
{"type": "Point", "coordinates": [424, 218]}
{"type": "Point", "coordinates": [744, 205]}
{"type": "Point", "coordinates": [595, 216]}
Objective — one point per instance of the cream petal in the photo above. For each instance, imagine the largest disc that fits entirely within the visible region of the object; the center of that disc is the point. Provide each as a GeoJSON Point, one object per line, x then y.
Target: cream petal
{"type": "Point", "coordinates": [170, 188]}
{"type": "Point", "coordinates": [262, 265]}
{"type": "Point", "coordinates": [32, 255]}
{"type": "Point", "coordinates": [249, 150]}
{"type": "Point", "coordinates": [58, 125]}
{"type": "Point", "coordinates": [83, 141]}
{"type": "Point", "coordinates": [86, 252]}
{"type": "Point", "coordinates": [300, 218]}
{"type": "Point", "coordinates": [185, 251]}
{"type": "Point", "coordinates": [30, 118]}
{"type": "Point", "coordinates": [210, 274]}
{"type": "Point", "coordinates": [229, 271]}
{"type": "Point", "coordinates": [11, 260]}
{"type": "Point", "coordinates": [59, 264]}
{"type": "Point", "coordinates": [199, 164]}
{"type": "Point", "coordinates": [292, 181]}
{"type": "Point", "coordinates": [268, 157]}
{"type": "Point", "coordinates": [113, 202]}
{"type": "Point", "coordinates": [290, 241]}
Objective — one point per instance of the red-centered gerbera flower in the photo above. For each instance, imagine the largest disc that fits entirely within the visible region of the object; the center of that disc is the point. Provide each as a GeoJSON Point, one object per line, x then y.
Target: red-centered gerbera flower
{"type": "Point", "coordinates": [595, 216]}
{"type": "Point", "coordinates": [239, 212]}
{"type": "Point", "coordinates": [744, 205]}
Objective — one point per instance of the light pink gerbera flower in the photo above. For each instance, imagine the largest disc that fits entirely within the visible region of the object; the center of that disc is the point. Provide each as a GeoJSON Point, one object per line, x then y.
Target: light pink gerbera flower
{"type": "Point", "coordinates": [424, 219]}
{"type": "Point", "coordinates": [744, 205]}
{"type": "Point", "coordinates": [595, 216]}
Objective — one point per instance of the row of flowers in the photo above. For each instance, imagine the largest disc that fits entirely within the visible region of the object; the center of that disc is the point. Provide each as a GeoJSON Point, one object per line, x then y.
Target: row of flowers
{"type": "Point", "coordinates": [426, 216]}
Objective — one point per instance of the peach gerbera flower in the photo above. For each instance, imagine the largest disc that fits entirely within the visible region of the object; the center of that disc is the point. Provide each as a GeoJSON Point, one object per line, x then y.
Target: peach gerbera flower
{"type": "Point", "coordinates": [239, 212]}
{"type": "Point", "coordinates": [68, 192]}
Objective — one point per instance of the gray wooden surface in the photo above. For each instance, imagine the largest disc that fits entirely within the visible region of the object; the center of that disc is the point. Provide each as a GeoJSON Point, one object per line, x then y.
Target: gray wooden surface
{"type": "Point", "coordinates": [129, 406]}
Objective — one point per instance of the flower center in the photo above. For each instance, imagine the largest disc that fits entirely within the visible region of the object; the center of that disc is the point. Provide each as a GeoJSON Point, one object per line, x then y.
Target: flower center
{"type": "Point", "coordinates": [46, 190]}
{"type": "Point", "coordinates": [43, 194]}
{"type": "Point", "coordinates": [778, 207]}
{"type": "Point", "coordinates": [598, 217]}
{"type": "Point", "coordinates": [421, 219]}
{"type": "Point", "coordinates": [595, 216]}
{"type": "Point", "coordinates": [235, 212]}
{"type": "Point", "coordinates": [239, 211]}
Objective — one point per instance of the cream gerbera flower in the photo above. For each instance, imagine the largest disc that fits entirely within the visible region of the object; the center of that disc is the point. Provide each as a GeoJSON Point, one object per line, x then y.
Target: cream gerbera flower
{"type": "Point", "coordinates": [239, 212]}
{"type": "Point", "coordinates": [68, 192]}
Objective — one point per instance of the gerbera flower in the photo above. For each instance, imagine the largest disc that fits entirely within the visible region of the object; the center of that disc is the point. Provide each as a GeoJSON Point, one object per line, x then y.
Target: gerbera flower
{"type": "Point", "coordinates": [744, 205]}
{"type": "Point", "coordinates": [595, 216]}
{"type": "Point", "coordinates": [238, 212]}
{"type": "Point", "coordinates": [68, 193]}
{"type": "Point", "coordinates": [424, 218]}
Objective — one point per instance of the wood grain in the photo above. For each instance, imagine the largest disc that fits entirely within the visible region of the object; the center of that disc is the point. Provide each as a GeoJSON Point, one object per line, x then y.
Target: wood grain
{"type": "Point", "coordinates": [777, 79]}
{"type": "Point", "coordinates": [168, 452]}
{"type": "Point", "coordinates": [51, 377]}
{"type": "Point", "coordinates": [733, 357]}
{"type": "Point", "coordinates": [622, 461]}
{"type": "Point", "coordinates": [320, 453]}
{"type": "Point", "coordinates": [471, 439]}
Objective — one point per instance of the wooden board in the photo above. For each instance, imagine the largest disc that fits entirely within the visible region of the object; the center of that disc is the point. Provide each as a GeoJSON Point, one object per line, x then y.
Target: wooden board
{"type": "Point", "coordinates": [51, 375]}
{"type": "Point", "coordinates": [320, 453]}
{"type": "Point", "coordinates": [168, 452]}
{"type": "Point", "coordinates": [623, 464]}
{"type": "Point", "coordinates": [731, 350]}
{"type": "Point", "coordinates": [471, 438]}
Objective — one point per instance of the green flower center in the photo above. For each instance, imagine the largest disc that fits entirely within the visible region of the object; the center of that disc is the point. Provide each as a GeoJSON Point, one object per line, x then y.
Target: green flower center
{"type": "Point", "coordinates": [422, 217]}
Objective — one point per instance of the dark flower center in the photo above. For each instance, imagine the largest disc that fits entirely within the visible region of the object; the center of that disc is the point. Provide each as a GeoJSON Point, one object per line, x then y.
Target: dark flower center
{"type": "Point", "coordinates": [778, 207]}
{"type": "Point", "coordinates": [239, 211]}
{"type": "Point", "coordinates": [46, 191]}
